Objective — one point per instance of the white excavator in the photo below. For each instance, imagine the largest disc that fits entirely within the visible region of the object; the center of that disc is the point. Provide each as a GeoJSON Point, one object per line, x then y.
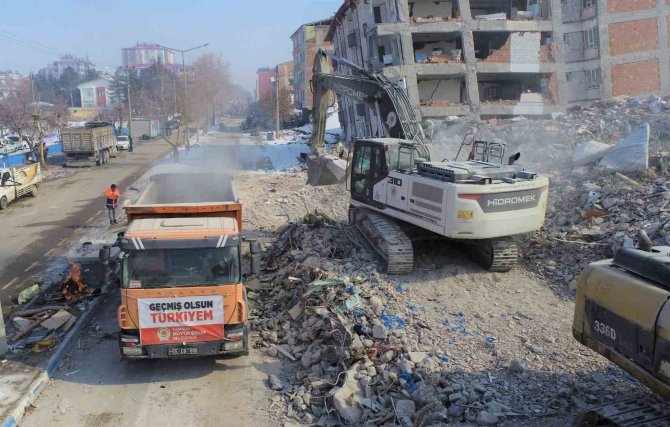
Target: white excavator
{"type": "Point", "coordinates": [483, 200]}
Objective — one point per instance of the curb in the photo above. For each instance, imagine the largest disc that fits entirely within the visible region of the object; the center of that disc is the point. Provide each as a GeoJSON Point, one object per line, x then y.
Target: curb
{"type": "Point", "coordinates": [16, 415]}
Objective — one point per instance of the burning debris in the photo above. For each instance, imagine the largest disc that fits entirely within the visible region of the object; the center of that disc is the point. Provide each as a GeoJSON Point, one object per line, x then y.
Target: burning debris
{"type": "Point", "coordinates": [73, 288]}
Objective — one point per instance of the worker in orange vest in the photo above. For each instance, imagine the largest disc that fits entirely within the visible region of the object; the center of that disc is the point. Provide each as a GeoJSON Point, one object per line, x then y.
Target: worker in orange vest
{"type": "Point", "coordinates": [112, 199]}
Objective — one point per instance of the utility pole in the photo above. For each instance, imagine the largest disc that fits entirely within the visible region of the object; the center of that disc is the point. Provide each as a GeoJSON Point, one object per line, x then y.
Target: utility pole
{"type": "Point", "coordinates": [184, 113]}
{"type": "Point", "coordinates": [130, 110]}
{"type": "Point", "coordinates": [277, 127]}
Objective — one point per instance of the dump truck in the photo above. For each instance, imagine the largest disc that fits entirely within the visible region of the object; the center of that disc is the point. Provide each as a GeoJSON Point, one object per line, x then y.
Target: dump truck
{"type": "Point", "coordinates": [93, 144]}
{"type": "Point", "coordinates": [19, 181]}
{"type": "Point", "coordinates": [145, 128]}
{"type": "Point", "coordinates": [181, 283]}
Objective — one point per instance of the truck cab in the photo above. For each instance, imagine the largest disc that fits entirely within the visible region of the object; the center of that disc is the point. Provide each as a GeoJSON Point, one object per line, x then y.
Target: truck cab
{"type": "Point", "coordinates": [181, 279]}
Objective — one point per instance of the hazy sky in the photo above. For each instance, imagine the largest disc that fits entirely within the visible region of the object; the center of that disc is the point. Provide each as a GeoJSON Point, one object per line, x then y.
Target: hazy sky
{"type": "Point", "coordinates": [248, 33]}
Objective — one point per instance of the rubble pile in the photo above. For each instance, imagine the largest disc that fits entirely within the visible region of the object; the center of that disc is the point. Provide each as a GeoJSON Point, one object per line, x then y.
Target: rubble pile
{"type": "Point", "coordinates": [363, 350]}
{"type": "Point", "coordinates": [547, 145]}
{"type": "Point", "coordinates": [590, 214]}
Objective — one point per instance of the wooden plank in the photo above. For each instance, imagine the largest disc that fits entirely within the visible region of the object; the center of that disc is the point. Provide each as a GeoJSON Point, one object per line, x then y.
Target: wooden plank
{"type": "Point", "coordinates": [57, 320]}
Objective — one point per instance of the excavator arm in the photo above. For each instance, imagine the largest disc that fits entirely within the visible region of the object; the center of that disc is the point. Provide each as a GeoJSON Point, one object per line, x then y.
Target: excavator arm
{"type": "Point", "coordinates": [395, 116]}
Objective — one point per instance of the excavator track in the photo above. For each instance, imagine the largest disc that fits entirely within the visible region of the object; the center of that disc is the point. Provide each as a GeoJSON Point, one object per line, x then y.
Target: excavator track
{"type": "Point", "coordinates": [387, 239]}
{"type": "Point", "coordinates": [497, 255]}
{"type": "Point", "coordinates": [632, 413]}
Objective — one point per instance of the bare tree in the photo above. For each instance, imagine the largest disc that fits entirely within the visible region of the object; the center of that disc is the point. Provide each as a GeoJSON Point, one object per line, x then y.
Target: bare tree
{"type": "Point", "coordinates": [269, 104]}
{"type": "Point", "coordinates": [16, 112]}
{"type": "Point", "coordinates": [46, 118]}
{"type": "Point", "coordinates": [209, 88]}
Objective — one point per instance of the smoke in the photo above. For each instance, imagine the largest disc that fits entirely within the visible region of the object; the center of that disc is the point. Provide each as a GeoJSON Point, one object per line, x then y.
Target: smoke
{"type": "Point", "coordinates": [204, 173]}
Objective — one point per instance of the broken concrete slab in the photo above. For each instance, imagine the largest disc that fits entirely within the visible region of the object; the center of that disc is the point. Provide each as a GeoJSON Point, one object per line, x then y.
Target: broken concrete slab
{"type": "Point", "coordinates": [344, 397]}
{"type": "Point", "coordinates": [590, 151]}
{"type": "Point", "coordinates": [631, 154]}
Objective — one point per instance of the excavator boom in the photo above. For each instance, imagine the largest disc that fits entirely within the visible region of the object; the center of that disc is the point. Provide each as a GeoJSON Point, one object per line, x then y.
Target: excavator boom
{"type": "Point", "coordinates": [395, 116]}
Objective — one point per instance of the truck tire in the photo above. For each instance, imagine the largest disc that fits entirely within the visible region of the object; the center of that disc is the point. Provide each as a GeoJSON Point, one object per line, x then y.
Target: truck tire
{"type": "Point", "coordinates": [33, 191]}
{"type": "Point", "coordinates": [3, 203]}
{"type": "Point", "coordinates": [98, 160]}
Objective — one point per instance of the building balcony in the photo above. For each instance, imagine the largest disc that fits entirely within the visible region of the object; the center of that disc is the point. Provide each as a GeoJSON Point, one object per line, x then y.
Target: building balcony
{"type": "Point", "coordinates": [497, 67]}
{"type": "Point", "coordinates": [511, 26]}
{"type": "Point", "coordinates": [516, 108]}
{"type": "Point", "coordinates": [432, 26]}
{"type": "Point", "coordinates": [442, 111]}
{"type": "Point", "coordinates": [429, 70]}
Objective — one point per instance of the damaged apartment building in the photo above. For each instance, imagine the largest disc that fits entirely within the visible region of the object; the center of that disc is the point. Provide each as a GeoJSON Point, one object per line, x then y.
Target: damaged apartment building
{"type": "Point", "coordinates": [501, 58]}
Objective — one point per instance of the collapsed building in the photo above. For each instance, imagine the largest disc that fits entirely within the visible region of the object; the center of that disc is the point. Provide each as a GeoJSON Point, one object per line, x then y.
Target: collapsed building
{"type": "Point", "coordinates": [500, 58]}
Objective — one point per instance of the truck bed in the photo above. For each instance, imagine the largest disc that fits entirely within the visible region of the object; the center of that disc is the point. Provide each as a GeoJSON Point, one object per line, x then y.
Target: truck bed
{"type": "Point", "coordinates": [185, 194]}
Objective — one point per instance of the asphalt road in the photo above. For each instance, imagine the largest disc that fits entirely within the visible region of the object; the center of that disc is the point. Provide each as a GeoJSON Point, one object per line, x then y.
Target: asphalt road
{"type": "Point", "coordinates": [33, 229]}
{"type": "Point", "coordinates": [92, 387]}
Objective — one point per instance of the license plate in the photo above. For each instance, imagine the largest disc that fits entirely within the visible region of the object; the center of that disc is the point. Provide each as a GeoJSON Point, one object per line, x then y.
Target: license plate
{"type": "Point", "coordinates": [182, 351]}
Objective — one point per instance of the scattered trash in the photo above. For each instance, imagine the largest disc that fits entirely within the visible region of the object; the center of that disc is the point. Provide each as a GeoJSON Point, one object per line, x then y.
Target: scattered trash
{"type": "Point", "coordinates": [26, 294]}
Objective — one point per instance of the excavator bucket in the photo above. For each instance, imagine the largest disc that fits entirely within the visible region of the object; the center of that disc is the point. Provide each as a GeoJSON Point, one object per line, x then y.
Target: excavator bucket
{"type": "Point", "coordinates": [326, 169]}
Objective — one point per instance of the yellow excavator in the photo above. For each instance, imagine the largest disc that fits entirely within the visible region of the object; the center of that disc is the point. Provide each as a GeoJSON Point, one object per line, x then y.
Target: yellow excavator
{"type": "Point", "coordinates": [481, 201]}
{"type": "Point", "coordinates": [622, 311]}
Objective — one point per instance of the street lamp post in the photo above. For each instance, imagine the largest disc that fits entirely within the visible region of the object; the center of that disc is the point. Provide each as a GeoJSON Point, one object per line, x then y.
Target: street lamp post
{"type": "Point", "coordinates": [184, 113]}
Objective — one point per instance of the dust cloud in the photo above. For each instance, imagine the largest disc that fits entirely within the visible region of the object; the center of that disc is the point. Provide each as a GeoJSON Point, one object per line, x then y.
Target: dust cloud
{"type": "Point", "coordinates": [545, 145]}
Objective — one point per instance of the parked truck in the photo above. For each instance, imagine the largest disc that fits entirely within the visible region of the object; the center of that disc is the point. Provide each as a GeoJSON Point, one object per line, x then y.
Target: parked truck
{"type": "Point", "coordinates": [95, 143]}
{"type": "Point", "coordinates": [181, 283]}
{"type": "Point", "coordinates": [19, 181]}
{"type": "Point", "coordinates": [145, 128]}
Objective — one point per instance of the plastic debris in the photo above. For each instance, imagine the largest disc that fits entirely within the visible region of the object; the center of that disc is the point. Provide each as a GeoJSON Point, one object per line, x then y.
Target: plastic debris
{"type": "Point", "coordinates": [26, 294]}
{"type": "Point", "coordinates": [391, 321]}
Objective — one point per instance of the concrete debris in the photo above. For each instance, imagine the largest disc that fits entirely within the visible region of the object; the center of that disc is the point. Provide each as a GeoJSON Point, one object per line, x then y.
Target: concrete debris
{"type": "Point", "coordinates": [631, 154]}
{"type": "Point", "coordinates": [274, 383]}
{"type": "Point", "coordinates": [367, 354]}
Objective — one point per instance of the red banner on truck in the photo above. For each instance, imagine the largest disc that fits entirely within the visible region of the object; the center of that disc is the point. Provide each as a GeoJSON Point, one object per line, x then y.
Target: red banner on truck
{"type": "Point", "coordinates": [181, 320]}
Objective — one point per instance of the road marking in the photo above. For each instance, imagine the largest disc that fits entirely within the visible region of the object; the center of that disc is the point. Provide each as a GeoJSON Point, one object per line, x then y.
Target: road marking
{"type": "Point", "coordinates": [90, 219]}
{"type": "Point", "coordinates": [31, 266]}
{"type": "Point", "coordinates": [10, 283]}
{"type": "Point", "coordinates": [50, 251]}
{"type": "Point", "coordinates": [61, 242]}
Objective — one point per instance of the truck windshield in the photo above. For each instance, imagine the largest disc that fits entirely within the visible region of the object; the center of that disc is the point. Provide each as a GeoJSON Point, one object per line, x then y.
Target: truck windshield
{"type": "Point", "coordinates": [181, 267]}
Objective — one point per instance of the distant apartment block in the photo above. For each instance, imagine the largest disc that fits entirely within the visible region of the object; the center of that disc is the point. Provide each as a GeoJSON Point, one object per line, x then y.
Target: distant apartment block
{"type": "Point", "coordinates": [144, 55]}
{"type": "Point", "coordinates": [10, 84]}
{"type": "Point", "coordinates": [506, 57]}
{"type": "Point", "coordinates": [264, 78]}
{"type": "Point", "coordinates": [95, 94]}
{"type": "Point", "coordinates": [80, 66]}
{"type": "Point", "coordinates": [284, 74]}
{"type": "Point", "coordinates": [306, 41]}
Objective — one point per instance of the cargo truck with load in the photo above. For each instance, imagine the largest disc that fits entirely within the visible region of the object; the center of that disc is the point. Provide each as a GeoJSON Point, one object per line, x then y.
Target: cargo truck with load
{"type": "Point", "coordinates": [181, 284]}
{"type": "Point", "coordinates": [95, 143]}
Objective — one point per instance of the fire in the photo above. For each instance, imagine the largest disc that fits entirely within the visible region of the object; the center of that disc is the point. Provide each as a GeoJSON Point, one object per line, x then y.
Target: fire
{"type": "Point", "coordinates": [74, 287]}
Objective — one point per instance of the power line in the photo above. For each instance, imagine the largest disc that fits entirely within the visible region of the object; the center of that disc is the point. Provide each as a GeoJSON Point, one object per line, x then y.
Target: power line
{"type": "Point", "coordinates": [25, 45]}
{"type": "Point", "coordinates": [28, 42]}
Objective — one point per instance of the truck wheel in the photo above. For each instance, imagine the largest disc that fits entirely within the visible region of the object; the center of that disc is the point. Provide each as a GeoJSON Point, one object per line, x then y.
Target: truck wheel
{"type": "Point", "coordinates": [33, 191]}
{"type": "Point", "coordinates": [3, 203]}
{"type": "Point", "coordinates": [107, 157]}
{"type": "Point", "coordinates": [98, 161]}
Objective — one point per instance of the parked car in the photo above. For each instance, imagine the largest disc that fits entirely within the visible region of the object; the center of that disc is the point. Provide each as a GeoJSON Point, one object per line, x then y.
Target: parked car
{"type": "Point", "coordinates": [18, 144]}
{"type": "Point", "coordinates": [122, 143]}
{"type": "Point", "coordinates": [6, 147]}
